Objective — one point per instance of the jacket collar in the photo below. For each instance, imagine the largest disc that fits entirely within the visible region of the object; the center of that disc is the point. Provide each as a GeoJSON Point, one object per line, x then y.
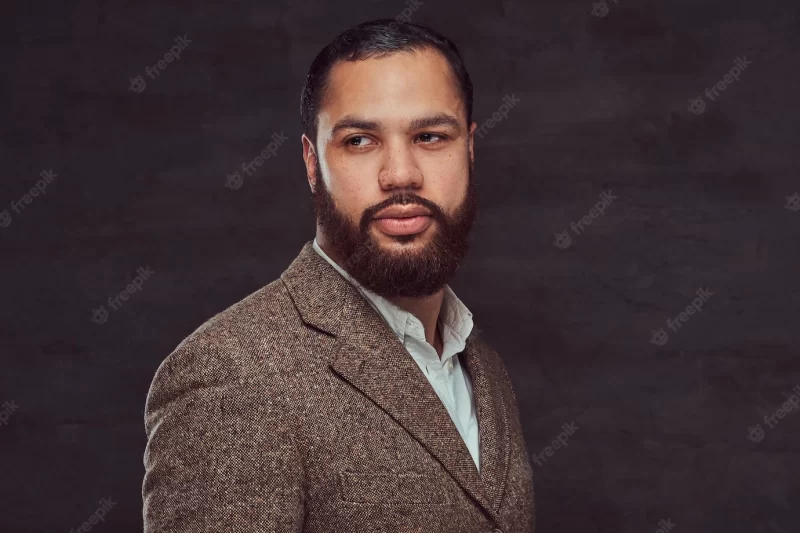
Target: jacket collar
{"type": "Point", "coordinates": [369, 356]}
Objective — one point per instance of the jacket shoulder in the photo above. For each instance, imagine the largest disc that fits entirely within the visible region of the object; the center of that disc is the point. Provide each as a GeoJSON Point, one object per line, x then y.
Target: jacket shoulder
{"type": "Point", "coordinates": [248, 340]}
{"type": "Point", "coordinates": [248, 320]}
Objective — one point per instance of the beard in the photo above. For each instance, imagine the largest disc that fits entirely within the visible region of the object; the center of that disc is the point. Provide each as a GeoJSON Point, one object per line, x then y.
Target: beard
{"type": "Point", "coordinates": [412, 271]}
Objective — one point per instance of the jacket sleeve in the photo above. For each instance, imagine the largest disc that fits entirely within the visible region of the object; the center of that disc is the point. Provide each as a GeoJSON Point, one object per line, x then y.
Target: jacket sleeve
{"type": "Point", "coordinates": [220, 455]}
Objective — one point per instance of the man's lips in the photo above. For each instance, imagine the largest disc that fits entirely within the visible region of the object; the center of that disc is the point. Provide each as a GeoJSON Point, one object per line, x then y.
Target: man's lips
{"type": "Point", "coordinates": [403, 219]}
{"type": "Point", "coordinates": [404, 225]}
{"type": "Point", "coordinates": [403, 211]}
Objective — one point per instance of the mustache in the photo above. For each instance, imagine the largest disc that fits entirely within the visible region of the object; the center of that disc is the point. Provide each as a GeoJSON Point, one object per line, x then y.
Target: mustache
{"type": "Point", "coordinates": [403, 198]}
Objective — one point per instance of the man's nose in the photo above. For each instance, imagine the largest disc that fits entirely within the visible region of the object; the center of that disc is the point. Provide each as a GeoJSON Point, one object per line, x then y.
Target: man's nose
{"type": "Point", "coordinates": [400, 169]}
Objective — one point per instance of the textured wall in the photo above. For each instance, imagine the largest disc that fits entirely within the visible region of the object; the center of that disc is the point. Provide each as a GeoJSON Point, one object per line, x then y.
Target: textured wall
{"type": "Point", "coordinates": [661, 427]}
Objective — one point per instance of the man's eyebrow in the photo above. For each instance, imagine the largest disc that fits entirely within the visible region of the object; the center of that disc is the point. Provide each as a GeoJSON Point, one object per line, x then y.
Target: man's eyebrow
{"type": "Point", "coordinates": [353, 122]}
{"type": "Point", "coordinates": [442, 119]}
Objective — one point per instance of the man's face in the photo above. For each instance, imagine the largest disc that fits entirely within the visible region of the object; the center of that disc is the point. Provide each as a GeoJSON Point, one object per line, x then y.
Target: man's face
{"type": "Point", "coordinates": [393, 134]}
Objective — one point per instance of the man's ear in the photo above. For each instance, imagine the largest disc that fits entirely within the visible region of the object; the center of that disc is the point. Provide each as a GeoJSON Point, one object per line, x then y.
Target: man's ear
{"type": "Point", "coordinates": [472, 129]}
{"type": "Point", "coordinates": [310, 158]}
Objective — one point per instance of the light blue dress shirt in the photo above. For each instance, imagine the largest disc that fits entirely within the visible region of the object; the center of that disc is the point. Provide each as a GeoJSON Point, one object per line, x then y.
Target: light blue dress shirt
{"type": "Point", "coordinates": [446, 376]}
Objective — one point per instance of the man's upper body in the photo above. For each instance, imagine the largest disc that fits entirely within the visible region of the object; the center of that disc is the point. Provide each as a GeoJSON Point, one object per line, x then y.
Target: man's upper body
{"type": "Point", "coordinates": [299, 410]}
{"type": "Point", "coordinates": [326, 402]}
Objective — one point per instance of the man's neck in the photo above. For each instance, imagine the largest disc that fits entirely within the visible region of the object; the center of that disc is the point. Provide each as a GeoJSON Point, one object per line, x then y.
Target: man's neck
{"type": "Point", "coordinates": [427, 311]}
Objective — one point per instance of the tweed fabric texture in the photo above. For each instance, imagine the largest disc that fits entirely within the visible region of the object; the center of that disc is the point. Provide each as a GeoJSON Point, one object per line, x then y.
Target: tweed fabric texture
{"type": "Point", "coordinates": [297, 409]}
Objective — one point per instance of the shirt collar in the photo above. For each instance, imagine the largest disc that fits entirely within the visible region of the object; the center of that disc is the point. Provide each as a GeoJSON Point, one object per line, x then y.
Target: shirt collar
{"type": "Point", "coordinates": [455, 320]}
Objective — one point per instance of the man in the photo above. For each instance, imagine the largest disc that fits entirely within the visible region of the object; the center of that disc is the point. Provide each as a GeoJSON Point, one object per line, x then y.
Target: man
{"type": "Point", "coordinates": [351, 394]}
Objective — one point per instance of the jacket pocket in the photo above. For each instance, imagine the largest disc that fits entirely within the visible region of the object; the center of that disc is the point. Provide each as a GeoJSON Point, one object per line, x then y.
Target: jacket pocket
{"type": "Point", "coordinates": [391, 488]}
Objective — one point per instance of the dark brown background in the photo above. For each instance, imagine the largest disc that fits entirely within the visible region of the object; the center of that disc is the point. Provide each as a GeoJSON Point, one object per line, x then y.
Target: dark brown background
{"type": "Point", "coordinates": [701, 202]}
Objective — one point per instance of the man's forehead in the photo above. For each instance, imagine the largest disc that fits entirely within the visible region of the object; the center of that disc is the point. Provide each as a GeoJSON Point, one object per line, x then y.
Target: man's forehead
{"type": "Point", "coordinates": [402, 87]}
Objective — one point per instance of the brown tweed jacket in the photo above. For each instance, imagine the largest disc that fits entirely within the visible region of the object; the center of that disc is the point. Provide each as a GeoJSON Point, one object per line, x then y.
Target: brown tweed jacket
{"type": "Point", "coordinates": [298, 410]}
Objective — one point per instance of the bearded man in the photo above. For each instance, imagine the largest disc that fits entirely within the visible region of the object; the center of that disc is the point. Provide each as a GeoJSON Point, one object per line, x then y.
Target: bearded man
{"type": "Point", "coordinates": [351, 394]}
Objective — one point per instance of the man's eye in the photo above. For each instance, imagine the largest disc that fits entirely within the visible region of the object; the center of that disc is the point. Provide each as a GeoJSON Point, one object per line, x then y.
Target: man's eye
{"type": "Point", "coordinates": [361, 140]}
{"type": "Point", "coordinates": [427, 137]}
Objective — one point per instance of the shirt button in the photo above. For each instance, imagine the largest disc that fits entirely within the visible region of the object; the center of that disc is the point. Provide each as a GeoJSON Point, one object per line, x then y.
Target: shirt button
{"type": "Point", "coordinates": [450, 364]}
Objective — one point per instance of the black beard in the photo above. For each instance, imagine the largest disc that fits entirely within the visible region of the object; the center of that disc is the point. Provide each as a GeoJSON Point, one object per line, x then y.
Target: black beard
{"type": "Point", "coordinates": [398, 274]}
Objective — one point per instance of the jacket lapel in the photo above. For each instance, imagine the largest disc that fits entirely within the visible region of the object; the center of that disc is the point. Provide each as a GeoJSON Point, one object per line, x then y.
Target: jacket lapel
{"type": "Point", "coordinates": [369, 356]}
{"type": "Point", "coordinates": [486, 375]}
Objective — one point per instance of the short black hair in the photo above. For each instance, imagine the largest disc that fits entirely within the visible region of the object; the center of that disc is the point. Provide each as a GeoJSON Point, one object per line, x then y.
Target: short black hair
{"type": "Point", "coordinates": [376, 39]}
